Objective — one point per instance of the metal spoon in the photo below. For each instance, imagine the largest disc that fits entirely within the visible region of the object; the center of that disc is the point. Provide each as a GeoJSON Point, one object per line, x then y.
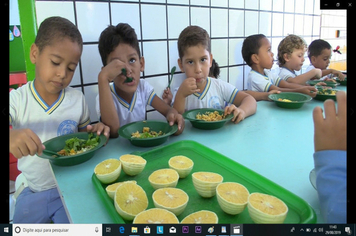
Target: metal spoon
{"type": "Point", "coordinates": [172, 72]}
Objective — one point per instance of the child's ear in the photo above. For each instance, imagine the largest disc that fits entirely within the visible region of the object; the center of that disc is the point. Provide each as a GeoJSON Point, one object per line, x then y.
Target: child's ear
{"type": "Point", "coordinates": [254, 58]}
{"type": "Point", "coordinates": [180, 64]}
{"type": "Point", "coordinates": [211, 60]}
{"type": "Point", "coordinates": [286, 57]}
{"type": "Point", "coordinates": [312, 59]}
{"type": "Point", "coordinates": [142, 63]}
{"type": "Point", "coordinates": [34, 52]}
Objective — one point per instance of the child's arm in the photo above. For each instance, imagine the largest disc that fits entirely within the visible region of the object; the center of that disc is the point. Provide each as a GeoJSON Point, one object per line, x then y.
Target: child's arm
{"type": "Point", "coordinates": [108, 111]}
{"type": "Point", "coordinates": [285, 86]}
{"type": "Point", "coordinates": [188, 87]}
{"type": "Point", "coordinates": [301, 79]}
{"type": "Point", "coordinates": [25, 142]}
{"type": "Point", "coordinates": [337, 73]}
{"type": "Point", "coordinates": [170, 113]}
{"type": "Point", "coordinates": [260, 96]}
{"type": "Point", "coordinates": [244, 105]}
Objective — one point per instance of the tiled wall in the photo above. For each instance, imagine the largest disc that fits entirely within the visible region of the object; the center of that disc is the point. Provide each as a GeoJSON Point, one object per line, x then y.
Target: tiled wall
{"type": "Point", "coordinates": [159, 22]}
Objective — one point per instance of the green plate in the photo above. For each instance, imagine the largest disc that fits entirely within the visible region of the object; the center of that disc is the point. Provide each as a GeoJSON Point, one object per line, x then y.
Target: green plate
{"type": "Point", "coordinates": [322, 97]}
{"type": "Point", "coordinates": [206, 159]}
{"type": "Point", "coordinates": [343, 83]}
{"type": "Point", "coordinates": [155, 125]}
{"type": "Point", "coordinates": [297, 99]}
{"type": "Point", "coordinates": [328, 83]}
{"type": "Point", "coordinates": [56, 144]}
{"type": "Point", "coordinates": [208, 125]}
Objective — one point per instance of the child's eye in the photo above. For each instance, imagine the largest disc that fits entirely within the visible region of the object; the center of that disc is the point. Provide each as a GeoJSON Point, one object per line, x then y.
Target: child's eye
{"type": "Point", "coordinates": [55, 63]}
{"type": "Point", "coordinates": [190, 62]}
{"type": "Point", "coordinates": [132, 60]}
{"type": "Point", "coordinates": [71, 69]}
{"type": "Point", "coordinates": [203, 59]}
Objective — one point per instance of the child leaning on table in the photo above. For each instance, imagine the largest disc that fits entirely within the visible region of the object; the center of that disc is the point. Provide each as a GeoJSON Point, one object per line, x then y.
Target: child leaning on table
{"type": "Point", "coordinates": [43, 109]}
{"type": "Point", "coordinates": [123, 102]}
{"type": "Point", "coordinates": [330, 158]}
{"type": "Point", "coordinates": [199, 90]}
{"type": "Point", "coordinates": [291, 57]}
{"type": "Point", "coordinates": [319, 53]}
{"type": "Point", "coordinates": [256, 51]}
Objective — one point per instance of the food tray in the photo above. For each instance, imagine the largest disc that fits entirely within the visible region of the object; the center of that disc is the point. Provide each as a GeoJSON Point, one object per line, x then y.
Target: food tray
{"type": "Point", "coordinates": [206, 159]}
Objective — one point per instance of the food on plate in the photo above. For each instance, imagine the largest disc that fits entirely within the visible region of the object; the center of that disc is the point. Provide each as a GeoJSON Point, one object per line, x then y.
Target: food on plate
{"type": "Point", "coordinates": [74, 146]}
{"type": "Point", "coordinates": [132, 164]}
{"type": "Point", "coordinates": [182, 164]}
{"type": "Point", "coordinates": [201, 217]}
{"type": "Point", "coordinates": [284, 100]}
{"type": "Point", "coordinates": [172, 199]}
{"type": "Point", "coordinates": [163, 178]}
{"type": "Point", "coordinates": [232, 197]}
{"type": "Point", "coordinates": [146, 133]}
{"type": "Point", "coordinates": [326, 92]}
{"type": "Point", "coordinates": [266, 209]}
{"type": "Point", "coordinates": [156, 216]}
{"type": "Point", "coordinates": [210, 116]}
{"type": "Point", "coordinates": [130, 199]}
{"type": "Point", "coordinates": [108, 171]}
{"type": "Point", "coordinates": [111, 189]}
{"type": "Point", "coordinates": [205, 183]}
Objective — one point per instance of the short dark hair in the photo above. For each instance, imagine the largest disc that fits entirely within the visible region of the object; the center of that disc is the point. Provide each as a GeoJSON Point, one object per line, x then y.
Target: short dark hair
{"type": "Point", "coordinates": [112, 36]}
{"type": "Point", "coordinates": [56, 28]}
{"type": "Point", "coordinates": [316, 47]}
{"type": "Point", "coordinates": [250, 46]}
{"type": "Point", "coordinates": [192, 36]}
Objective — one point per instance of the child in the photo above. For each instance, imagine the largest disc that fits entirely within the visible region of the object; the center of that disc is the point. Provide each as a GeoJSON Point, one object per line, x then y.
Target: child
{"type": "Point", "coordinates": [200, 91]}
{"type": "Point", "coordinates": [319, 53]}
{"type": "Point", "coordinates": [330, 158]}
{"type": "Point", "coordinates": [256, 51]}
{"type": "Point", "coordinates": [291, 57]}
{"type": "Point", "coordinates": [43, 109]}
{"type": "Point", "coordinates": [125, 102]}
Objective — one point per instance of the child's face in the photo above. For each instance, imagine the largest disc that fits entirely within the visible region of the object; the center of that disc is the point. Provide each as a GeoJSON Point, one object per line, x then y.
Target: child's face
{"type": "Point", "coordinates": [295, 60]}
{"type": "Point", "coordinates": [322, 61]}
{"type": "Point", "coordinates": [265, 55]}
{"type": "Point", "coordinates": [55, 65]}
{"type": "Point", "coordinates": [196, 63]}
{"type": "Point", "coordinates": [128, 55]}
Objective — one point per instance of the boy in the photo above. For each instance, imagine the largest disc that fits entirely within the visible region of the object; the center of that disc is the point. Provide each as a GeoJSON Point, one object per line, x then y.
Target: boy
{"type": "Point", "coordinates": [43, 109]}
{"type": "Point", "coordinates": [330, 158]}
{"type": "Point", "coordinates": [200, 91]}
{"type": "Point", "coordinates": [319, 53]}
{"type": "Point", "coordinates": [125, 102]}
{"type": "Point", "coordinates": [291, 57]}
{"type": "Point", "coordinates": [256, 51]}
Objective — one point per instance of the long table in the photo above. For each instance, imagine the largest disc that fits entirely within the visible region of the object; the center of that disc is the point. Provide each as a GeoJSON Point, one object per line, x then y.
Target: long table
{"type": "Point", "coordinates": [277, 143]}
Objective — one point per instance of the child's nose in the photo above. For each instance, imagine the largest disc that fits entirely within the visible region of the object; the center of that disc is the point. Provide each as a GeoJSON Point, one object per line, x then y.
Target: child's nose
{"type": "Point", "coordinates": [197, 68]}
{"type": "Point", "coordinates": [61, 73]}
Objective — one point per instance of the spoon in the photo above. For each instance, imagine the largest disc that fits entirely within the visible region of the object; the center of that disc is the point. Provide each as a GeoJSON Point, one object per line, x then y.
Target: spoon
{"type": "Point", "coordinates": [128, 79]}
{"type": "Point", "coordinates": [172, 72]}
{"type": "Point", "coordinates": [51, 153]}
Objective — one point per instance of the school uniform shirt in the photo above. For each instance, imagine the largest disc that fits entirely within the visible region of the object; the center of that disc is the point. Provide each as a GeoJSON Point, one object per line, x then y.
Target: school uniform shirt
{"type": "Point", "coordinates": [285, 73]}
{"type": "Point", "coordinates": [216, 94]}
{"type": "Point", "coordinates": [262, 83]}
{"type": "Point", "coordinates": [329, 76]}
{"type": "Point", "coordinates": [66, 115]}
{"type": "Point", "coordinates": [136, 109]}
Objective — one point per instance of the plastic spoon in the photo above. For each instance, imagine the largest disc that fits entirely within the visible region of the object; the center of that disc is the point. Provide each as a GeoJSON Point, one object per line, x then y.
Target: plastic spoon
{"type": "Point", "coordinates": [172, 72]}
{"type": "Point", "coordinates": [128, 79]}
{"type": "Point", "coordinates": [51, 153]}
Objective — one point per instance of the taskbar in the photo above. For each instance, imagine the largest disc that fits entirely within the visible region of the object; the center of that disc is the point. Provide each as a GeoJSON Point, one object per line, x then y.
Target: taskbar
{"type": "Point", "coordinates": [177, 229]}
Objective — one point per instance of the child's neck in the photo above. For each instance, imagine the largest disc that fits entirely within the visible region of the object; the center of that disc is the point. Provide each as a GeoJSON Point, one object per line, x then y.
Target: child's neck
{"type": "Point", "coordinates": [286, 65]}
{"type": "Point", "coordinates": [202, 85]}
{"type": "Point", "coordinates": [48, 98]}
{"type": "Point", "coordinates": [124, 95]}
{"type": "Point", "coordinates": [258, 68]}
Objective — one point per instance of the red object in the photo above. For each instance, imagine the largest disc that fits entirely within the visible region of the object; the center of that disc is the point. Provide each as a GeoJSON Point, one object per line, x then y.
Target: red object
{"type": "Point", "coordinates": [13, 171]}
{"type": "Point", "coordinates": [17, 79]}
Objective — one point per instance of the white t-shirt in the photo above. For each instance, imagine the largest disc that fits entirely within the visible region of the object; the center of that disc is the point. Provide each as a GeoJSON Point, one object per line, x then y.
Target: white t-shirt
{"type": "Point", "coordinates": [215, 95]}
{"type": "Point", "coordinates": [285, 73]}
{"type": "Point", "coordinates": [27, 110]}
{"type": "Point", "coordinates": [136, 109]}
{"type": "Point", "coordinates": [262, 83]}
{"type": "Point", "coordinates": [310, 67]}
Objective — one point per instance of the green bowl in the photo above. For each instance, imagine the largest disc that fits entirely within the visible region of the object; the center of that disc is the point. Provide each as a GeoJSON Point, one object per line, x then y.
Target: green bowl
{"type": "Point", "coordinates": [343, 83]}
{"type": "Point", "coordinates": [208, 125]}
{"type": "Point", "coordinates": [328, 83]}
{"type": "Point", "coordinates": [322, 97]}
{"type": "Point", "coordinates": [56, 144]}
{"type": "Point", "coordinates": [155, 125]}
{"type": "Point", "coordinates": [297, 99]}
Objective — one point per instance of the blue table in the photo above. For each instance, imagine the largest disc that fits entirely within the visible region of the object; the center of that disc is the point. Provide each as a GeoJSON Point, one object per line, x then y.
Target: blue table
{"type": "Point", "coordinates": [277, 143]}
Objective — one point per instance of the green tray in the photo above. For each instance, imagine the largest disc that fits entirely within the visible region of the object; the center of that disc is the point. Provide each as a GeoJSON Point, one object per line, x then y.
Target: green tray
{"type": "Point", "coordinates": [206, 159]}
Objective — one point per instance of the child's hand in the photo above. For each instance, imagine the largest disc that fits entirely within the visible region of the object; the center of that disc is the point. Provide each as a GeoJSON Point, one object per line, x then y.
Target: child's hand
{"type": "Point", "coordinates": [239, 114]}
{"type": "Point", "coordinates": [174, 117]}
{"type": "Point", "coordinates": [274, 91]}
{"type": "Point", "coordinates": [25, 142]}
{"type": "Point", "coordinates": [340, 75]}
{"type": "Point", "coordinates": [308, 90]}
{"type": "Point", "coordinates": [167, 96]}
{"type": "Point", "coordinates": [99, 128]}
{"type": "Point", "coordinates": [189, 86]}
{"type": "Point", "coordinates": [112, 70]}
{"type": "Point", "coordinates": [330, 133]}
